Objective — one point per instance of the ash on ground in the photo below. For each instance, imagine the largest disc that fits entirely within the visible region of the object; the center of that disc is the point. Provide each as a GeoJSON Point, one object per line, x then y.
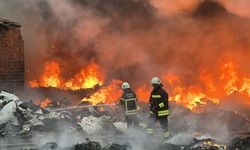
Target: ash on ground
{"type": "Point", "coordinates": [25, 125]}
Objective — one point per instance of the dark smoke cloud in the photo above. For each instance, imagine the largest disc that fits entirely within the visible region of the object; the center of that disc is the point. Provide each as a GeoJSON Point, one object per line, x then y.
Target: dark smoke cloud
{"type": "Point", "coordinates": [132, 40]}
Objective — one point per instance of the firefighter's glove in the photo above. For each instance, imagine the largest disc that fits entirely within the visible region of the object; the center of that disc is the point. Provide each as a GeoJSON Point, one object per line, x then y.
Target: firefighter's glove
{"type": "Point", "coordinates": [161, 105]}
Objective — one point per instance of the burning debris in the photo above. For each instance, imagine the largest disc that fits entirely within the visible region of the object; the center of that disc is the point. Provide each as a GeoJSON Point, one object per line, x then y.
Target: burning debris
{"type": "Point", "coordinates": [199, 49]}
{"type": "Point", "coordinates": [27, 115]}
{"type": "Point", "coordinates": [87, 55]}
{"type": "Point", "coordinates": [88, 77]}
{"type": "Point", "coordinates": [25, 119]}
{"type": "Point", "coordinates": [209, 85]}
{"type": "Point", "coordinates": [90, 145]}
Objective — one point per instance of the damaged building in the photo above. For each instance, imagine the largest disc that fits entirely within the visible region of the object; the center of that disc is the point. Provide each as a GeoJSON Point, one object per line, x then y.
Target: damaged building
{"type": "Point", "coordinates": [11, 55]}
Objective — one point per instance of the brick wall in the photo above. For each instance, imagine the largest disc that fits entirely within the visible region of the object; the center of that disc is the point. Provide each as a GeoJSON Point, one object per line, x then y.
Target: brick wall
{"type": "Point", "coordinates": [11, 56]}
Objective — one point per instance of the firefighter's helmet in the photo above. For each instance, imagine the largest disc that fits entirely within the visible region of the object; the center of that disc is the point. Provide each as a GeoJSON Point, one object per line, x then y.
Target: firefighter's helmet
{"type": "Point", "coordinates": [155, 80]}
{"type": "Point", "coordinates": [125, 85]}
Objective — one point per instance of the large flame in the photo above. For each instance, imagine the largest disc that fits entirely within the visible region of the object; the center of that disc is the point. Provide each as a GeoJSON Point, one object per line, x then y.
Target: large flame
{"type": "Point", "coordinates": [50, 77]}
{"type": "Point", "coordinates": [108, 94]}
{"type": "Point", "coordinates": [88, 77]}
{"type": "Point", "coordinates": [210, 86]}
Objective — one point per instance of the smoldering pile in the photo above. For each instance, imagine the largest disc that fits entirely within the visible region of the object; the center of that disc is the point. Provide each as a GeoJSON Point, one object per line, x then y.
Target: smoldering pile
{"type": "Point", "coordinates": [205, 144]}
{"type": "Point", "coordinates": [25, 120]}
{"type": "Point", "coordinates": [27, 115]}
{"type": "Point", "coordinates": [32, 124]}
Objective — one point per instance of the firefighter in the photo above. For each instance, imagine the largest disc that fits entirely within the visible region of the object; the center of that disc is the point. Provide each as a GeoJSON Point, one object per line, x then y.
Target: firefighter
{"type": "Point", "coordinates": [158, 104]}
{"type": "Point", "coordinates": [129, 102]}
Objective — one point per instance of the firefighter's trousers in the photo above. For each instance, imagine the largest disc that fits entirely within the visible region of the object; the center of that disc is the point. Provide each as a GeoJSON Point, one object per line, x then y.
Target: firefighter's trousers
{"type": "Point", "coordinates": [163, 122]}
{"type": "Point", "coordinates": [132, 120]}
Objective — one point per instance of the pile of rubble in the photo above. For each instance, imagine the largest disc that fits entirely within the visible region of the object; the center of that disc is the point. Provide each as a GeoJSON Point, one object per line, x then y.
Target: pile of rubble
{"type": "Point", "coordinates": [25, 119]}
{"type": "Point", "coordinates": [91, 145]}
{"type": "Point", "coordinates": [205, 144]}
{"type": "Point", "coordinates": [21, 118]}
{"type": "Point", "coordinates": [88, 145]}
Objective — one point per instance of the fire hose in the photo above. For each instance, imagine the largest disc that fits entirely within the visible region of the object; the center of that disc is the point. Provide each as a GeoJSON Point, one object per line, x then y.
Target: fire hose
{"type": "Point", "coordinates": [80, 107]}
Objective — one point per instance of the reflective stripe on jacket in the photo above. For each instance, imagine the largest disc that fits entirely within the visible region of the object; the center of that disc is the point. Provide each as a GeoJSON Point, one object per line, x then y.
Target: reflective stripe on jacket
{"type": "Point", "coordinates": [129, 102]}
{"type": "Point", "coordinates": [159, 102]}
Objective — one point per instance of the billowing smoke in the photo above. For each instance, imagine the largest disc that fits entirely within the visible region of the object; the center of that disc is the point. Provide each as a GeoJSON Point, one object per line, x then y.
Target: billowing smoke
{"type": "Point", "coordinates": [77, 32]}
{"type": "Point", "coordinates": [134, 40]}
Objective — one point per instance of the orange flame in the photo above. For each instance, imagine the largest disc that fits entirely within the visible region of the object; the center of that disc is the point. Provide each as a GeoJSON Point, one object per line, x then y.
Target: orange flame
{"type": "Point", "coordinates": [246, 86]}
{"type": "Point", "coordinates": [45, 103]}
{"type": "Point", "coordinates": [88, 77]}
{"type": "Point", "coordinates": [230, 76]}
{"type": "Point", "coordinates": [212, 85]}
{"type": "Point", "coordinates": [107, 94]}
{"type": "Point", "coordinates": [209, 86]}
{"type": "Point", "coordinates": [143, 93]}
{"type": "Point", "coordinates": [50, 77]}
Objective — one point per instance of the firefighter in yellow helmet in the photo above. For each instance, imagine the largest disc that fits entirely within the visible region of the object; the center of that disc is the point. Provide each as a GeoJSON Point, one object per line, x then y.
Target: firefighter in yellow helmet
{"type": "Point", "coordinates": [129, 102]}
{"type": "Point", "coordinates": [158, 104]}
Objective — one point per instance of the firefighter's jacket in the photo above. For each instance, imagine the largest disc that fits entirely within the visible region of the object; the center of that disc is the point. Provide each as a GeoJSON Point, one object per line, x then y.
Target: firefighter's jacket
{"type": "Point", "coordinates": [129, 102]}
{"type": "Point", "coordinates": [159, 102]}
